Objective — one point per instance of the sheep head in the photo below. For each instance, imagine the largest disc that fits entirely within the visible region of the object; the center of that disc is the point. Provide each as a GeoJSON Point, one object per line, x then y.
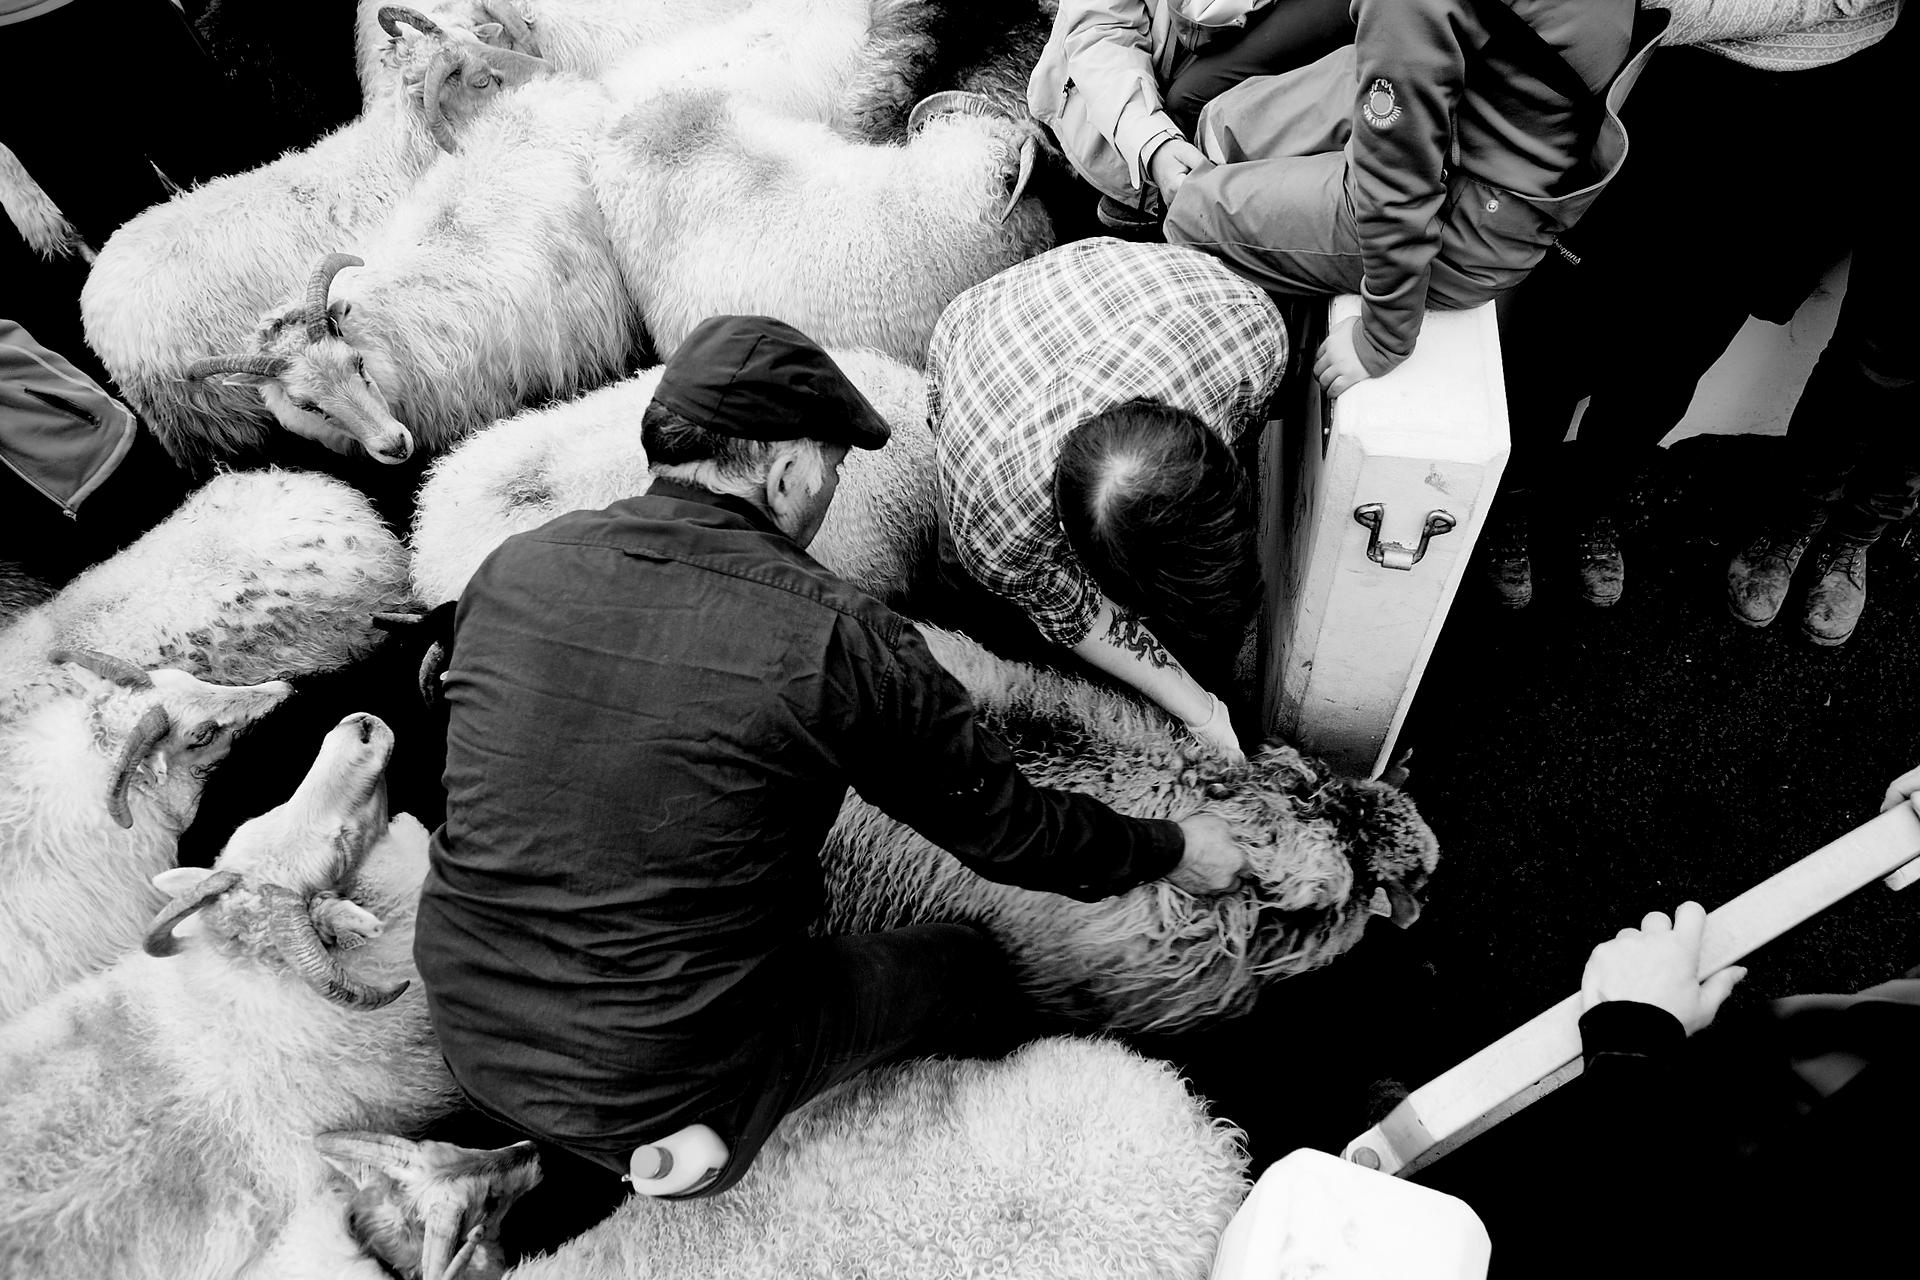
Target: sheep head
{"type": "Point", "coordinates": [430, 1209]}
{"type": "Point", "coordinates": [277, 887]}
{"type": "Point", "coordinates": [452, 70]}
{"type": "Point", "coordinates": [959, 102]}
{"type": "Point", "coordinates": [312, 377]}
{"type": "Point", "coordinates": [165, 729]}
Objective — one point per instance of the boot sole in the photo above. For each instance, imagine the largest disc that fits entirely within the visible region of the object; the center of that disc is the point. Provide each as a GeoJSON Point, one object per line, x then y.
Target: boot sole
{"type": "Point", "coordinates": [1826, 642]}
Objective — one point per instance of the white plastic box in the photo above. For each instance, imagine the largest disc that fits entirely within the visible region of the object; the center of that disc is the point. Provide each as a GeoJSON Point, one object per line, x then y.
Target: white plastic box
{"type": "Point", "coordinates": [1315, 1215]}
{"type": "Point", "coordinates": [1346, 636]}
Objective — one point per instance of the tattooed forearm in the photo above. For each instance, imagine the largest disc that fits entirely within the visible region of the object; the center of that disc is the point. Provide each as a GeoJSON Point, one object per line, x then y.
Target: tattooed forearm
{"type": "Point", "coordinates": [1129, 633]}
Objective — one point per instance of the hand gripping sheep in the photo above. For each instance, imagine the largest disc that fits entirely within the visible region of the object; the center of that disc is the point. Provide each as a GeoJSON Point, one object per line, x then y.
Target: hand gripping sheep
{"type": "Point", "coordinates": [1327, 852]}
{"type": "Point", "coordinates": [524, 471]}
{"type": "Point", "coordinates": [101, 768]}
{"type": "Point", "coordinates": [258, 574]}
{"type": "Point", "coordinates": [715, 204]}
{"type": "Point", "coordinates": [1069, 1159]}
{"type": "Point", "coordinates": [186, 282]}
{"type": "Point", "coordinates": [158, 1116]}
{"type": "Point", "coordinates": [492, 285]}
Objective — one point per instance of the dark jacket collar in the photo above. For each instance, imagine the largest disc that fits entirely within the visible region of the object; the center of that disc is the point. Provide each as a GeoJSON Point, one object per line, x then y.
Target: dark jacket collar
{"type": "Point", "coordinates": [680, 492]}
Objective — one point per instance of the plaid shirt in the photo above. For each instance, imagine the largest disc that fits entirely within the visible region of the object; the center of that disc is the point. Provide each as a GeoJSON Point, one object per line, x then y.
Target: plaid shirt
{"type": "Point", "coordinates": [1020, 360]}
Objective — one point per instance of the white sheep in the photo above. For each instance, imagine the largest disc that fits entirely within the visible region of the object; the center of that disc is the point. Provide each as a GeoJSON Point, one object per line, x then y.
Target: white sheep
{"type": "Point", "coordinates": [1326, 853]}
{"type": "Point", "coordinates": [258, 574]}
{"type": "Point", "coordinates": [101, 768]}
{"type": "Point", "coordinates": [522, 472]}
{"type": "Point", "coordinates": [157, 1118]}
{"type": "Point", "coordinates": [187, 280]}
{"type": "Point", "coordinates": [715, 204]}
{"type": "Point", "coordinates": [1070, 1158]}
{"type": "Point", "coordinates": [491, 286]}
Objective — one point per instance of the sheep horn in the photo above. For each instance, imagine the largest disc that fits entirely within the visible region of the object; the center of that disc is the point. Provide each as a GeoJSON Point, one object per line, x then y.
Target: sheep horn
{"type": "Point", "coordinates": [392, 14]}
{"type": "Point", "coordinates": [106, 666]}
{"type": "Point", "coordinates": [438, 1258]}
{"type": "Point", "coordinates": [298, 943]}
{"type": "Point", "coordinates": [383, 1151]}
{"type": "Point", "coordinates": [264, 366]}
{"type": "Point", "coordinates": [430, 89]}
{"type": "Point", "coordinates": [160, 941]}
{"type": "Point", "coordinates": [318, 324]}
{"type": "Point", "coordinates": [950, 102]}
{"type": "Point", "coordinates": [1028, 150]}
{"type": "Point", "coordinates": [154, 726]}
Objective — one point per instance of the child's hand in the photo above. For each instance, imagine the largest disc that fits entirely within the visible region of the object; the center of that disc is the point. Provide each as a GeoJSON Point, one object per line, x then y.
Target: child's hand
{"type": "Point", "coordinates": [1338, 364]}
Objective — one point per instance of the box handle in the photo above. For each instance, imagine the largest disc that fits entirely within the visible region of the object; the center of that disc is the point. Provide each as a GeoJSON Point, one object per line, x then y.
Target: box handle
{"type": "Point", "coordinates": [1398, 555]}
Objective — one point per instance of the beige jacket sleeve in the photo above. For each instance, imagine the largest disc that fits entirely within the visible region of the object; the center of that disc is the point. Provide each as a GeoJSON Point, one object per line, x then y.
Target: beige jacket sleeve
{"type": "Point", "coordinates": [1106, 49]}
{"type": "Point", "coordinates": [1702, 21]}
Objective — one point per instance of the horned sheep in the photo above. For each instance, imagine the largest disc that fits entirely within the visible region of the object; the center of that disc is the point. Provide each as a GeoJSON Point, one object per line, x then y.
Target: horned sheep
{"type": "Point", "coordinates": [1070, 1158]}
{"type": "Point", "coordinates": [101, 768]}
{"type": "Point", "coordinates": [158, 1117]}
{"type": "Point", "coordinates": [492, 285]}
{"type": "Point", "coordinates": [715, 204]}
{"type": "Point", "coordinates": [1326, 852]}
{"type": "Point", "coordinates": [522, 472]}
{"type": "Point", "coordinates": [187, 280]}
{"type": "Point", "coordinates": [258, 575]}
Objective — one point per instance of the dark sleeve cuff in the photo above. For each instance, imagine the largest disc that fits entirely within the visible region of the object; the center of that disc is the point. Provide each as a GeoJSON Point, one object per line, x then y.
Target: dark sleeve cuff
{"type": "Point", "coordinates": [1165, 845]}
{"type": "Point", "coordinates": [1620, 1029]}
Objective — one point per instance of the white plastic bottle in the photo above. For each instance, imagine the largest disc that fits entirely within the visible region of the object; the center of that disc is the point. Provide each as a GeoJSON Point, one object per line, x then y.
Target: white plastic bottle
{"type": "Point", "coordinates": [683, 1161]}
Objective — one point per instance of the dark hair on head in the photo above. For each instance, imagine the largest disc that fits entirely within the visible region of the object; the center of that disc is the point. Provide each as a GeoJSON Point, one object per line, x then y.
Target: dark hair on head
{"type": "Point", "coordinates": [1161, 514]}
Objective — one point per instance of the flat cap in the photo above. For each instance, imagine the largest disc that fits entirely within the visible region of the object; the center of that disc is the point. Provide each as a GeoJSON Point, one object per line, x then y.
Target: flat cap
{"type": "Point", "coordinates": [762, 379]}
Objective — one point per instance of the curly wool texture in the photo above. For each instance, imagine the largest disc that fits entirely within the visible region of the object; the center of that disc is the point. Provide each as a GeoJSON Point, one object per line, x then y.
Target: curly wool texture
{"type": "Point", "coordinates": [523, 471]}
{"type": "Point", "coordinates": [1156, 958]}
{"type": "Point", "coordinates": [715, 204]}
{"type": "Point", "coordinates": [1071, 1158]}
{"type": "Point", "coordinates": [258, 575]}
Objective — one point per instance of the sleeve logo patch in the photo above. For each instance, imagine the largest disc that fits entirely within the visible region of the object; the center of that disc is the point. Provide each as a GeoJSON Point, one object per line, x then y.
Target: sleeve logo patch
{"type": "Point", "coordinates": [1381, 108]}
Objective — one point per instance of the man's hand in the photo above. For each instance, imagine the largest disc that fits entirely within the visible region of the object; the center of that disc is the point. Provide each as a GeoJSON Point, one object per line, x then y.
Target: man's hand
{"type": "Point", "coordinates": [1216, 730]}
{"type": "Point", "coordinates": [1171, 162]}
{"type": "Point", "coordinates": [1337, 365]}
{"type": "Point", "coordinates": [1657, 964]}
{"type": "Point", "coordinates": [1214, 862]}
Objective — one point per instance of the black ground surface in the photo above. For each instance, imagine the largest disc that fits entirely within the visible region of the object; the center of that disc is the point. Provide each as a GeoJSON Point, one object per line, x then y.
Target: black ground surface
{"type": "Point", "coordinates": [1582, 767]}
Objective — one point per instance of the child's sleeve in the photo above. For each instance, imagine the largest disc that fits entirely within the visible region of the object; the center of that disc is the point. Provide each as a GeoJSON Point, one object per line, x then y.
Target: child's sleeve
{"type": "Point", "coordinates": [1411, 70]}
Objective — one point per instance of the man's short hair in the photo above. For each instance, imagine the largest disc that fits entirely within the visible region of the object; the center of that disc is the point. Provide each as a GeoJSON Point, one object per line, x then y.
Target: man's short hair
{"type": "Point", "coordinates": [682, 450]}
{"type": "Point", "coordinates": [1161, 515]}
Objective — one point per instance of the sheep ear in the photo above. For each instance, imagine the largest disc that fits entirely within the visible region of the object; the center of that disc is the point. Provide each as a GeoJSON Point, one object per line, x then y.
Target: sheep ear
{"type": "Point", "coordinates": [1404, 907]}
{"type": "Point", "coordinates": [486, 31]}
{"type": "Point", "coordinates": [175, 881]}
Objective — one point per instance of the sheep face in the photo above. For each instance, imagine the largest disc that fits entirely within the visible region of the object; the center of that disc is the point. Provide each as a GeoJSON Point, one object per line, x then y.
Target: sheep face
{"type": "Point", "coordinates": [312, 377]}
{"type": "Point", "coordinates": [166, 730]}
{"type": "Point", "coordinates": [430, 1209]}
{"type": "Point", "coordinates": [278, 891]}
{"type": "Point", "coordinates": [452, 68]}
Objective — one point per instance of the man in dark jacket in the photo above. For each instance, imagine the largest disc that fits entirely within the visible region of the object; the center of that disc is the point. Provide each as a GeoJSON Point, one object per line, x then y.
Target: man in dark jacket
{"type": "Point", "coordinates": [656, 710]}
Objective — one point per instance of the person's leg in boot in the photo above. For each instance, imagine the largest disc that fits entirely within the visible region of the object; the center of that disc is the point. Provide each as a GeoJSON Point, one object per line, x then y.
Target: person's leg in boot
{"type": "Point", "coordinates": [1864, 389]}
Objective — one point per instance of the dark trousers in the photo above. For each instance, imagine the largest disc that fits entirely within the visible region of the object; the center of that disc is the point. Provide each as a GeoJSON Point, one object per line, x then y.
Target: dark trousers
{"type": "Point", "coordinates": [840, 1006]}
{"type": "Point", "coordinates": [1715, 216]}
{"type": "Point", "coordinates": [1855, 433]}
{"type": "Point", "coordinates": [1280, 37]}
{"type": "Point", "coordinates": [97, 88]}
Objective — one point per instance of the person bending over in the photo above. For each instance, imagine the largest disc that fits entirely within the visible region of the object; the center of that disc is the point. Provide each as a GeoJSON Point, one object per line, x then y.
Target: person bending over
{"type": "Point", "coordinates": [1083, 406]}
{"type": "Point", "coordinates": [655, 711]}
